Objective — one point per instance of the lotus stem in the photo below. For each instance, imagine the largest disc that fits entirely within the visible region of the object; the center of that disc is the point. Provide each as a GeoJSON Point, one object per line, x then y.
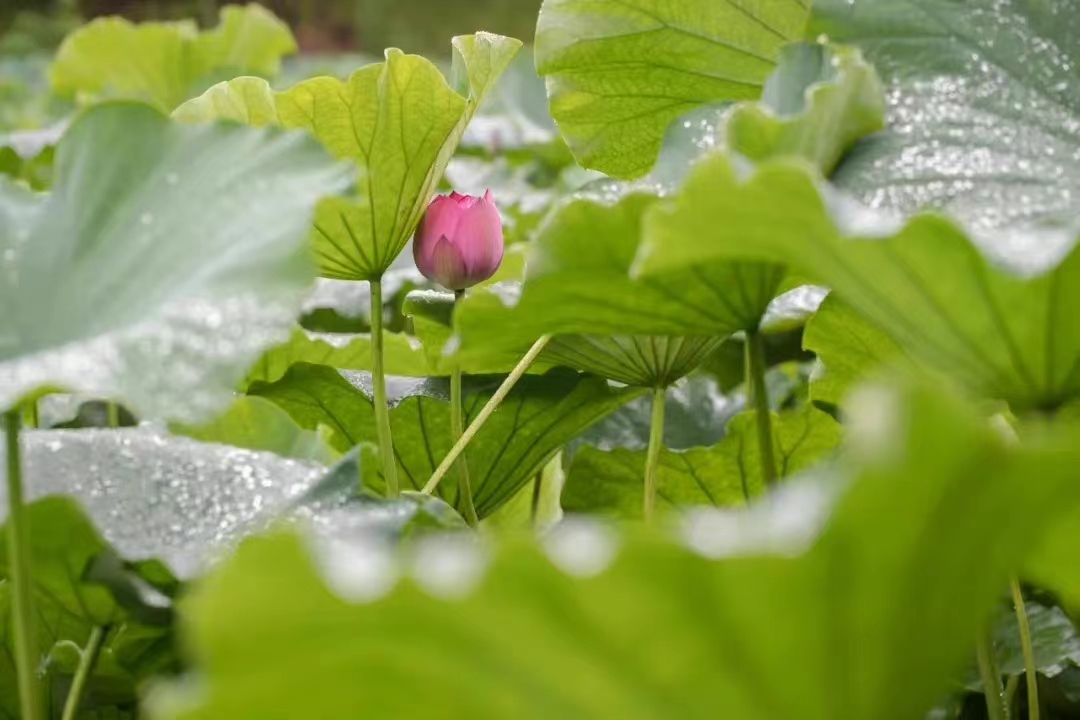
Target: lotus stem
{"type": "Point", "coordinates": [1030, 670]}
{"type": "Point", "coordinates": [758, 397]}
{"type": "Point", "coordinates": [22, 601]}
{"type": "Point", "coordinates": [87, 661]}
{"type": "Point", "coordinates": [996, 708]}
{"type": "Point", "coordinates": [457, 426]}
{"type": "Point", "coordinates": [378, 382]}
{"type": "Point", "coordinates": [652, 457]}
{"type": "Point", "coordinates": [485, 413]}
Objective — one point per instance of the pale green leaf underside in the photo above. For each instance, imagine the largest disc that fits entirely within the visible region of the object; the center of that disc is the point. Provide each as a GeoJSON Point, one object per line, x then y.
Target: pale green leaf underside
{"type": "Point", "coordinates": [620, 71]}
{"type": "Point", "coordinates": [912, 558]}
{"type": "Point", "coordinates": [726, 474]}
{"type": "Point", "coordinates": [849, 348]}
{"type": "Point", "coordinates": [164, 63]}
{"type": "Point", "coordinates": [257, 424]}
{"type": "Point", "coordinates": [165, 261]}
{"type": "Point", "coordinates": [646, 361]}
{"type": "Point", "coordinates": [539, 416]}
{"type": "Point", "coordinates": [399, 121]}
{"type": "Point", "coordinates": [984, 107]}
{"type": "Point", "coordinates": [926, 285]}
{"type": "Point", "coordinates": [819, 102]}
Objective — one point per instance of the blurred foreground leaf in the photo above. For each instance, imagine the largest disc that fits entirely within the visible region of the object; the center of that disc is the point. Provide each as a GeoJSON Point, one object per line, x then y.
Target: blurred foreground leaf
{"type": "Point", "coordinates": [809, 606]}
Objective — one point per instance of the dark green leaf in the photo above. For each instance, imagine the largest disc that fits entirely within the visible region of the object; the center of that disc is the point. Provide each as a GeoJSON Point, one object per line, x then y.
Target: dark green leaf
{"type": "Point", "coordinates": [540, 415]}
{"type": "Point", "coordinates": [728, 473]}
{"type": "Point", "coordinates": [71, 596]}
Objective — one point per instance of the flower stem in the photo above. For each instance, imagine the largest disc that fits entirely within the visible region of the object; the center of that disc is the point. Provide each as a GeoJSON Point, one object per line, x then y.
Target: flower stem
{"type": "Point", "coordinates": [86, 665]}
{"type": "Point", "coordinates": [485, 413]}
{"type": "Point", "coordinates": [652, 457]}
{"type": "Point", "coordinates": [112, 412]}
{"type": "Point", "coordinates": [758, 397]}
{"type": "Point", "coordinates": [1030, 671]}
{"type": "Point", "coordinates": [996, 708]}
{"type": "Point", "coordinates": [378, 382]}
{"type": "Point", "coordinates": [457, 426]}
{"type": "Point", "coordinates": [22, 600]}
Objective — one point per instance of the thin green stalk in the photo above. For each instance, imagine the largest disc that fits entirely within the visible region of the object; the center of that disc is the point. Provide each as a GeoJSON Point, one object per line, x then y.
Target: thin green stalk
{"type": "Point", "coordinates": [485, 413]}
{"type": "Point", "coordinates": [22, 600]}
{"type": "Point", "coordinates": [112, 412]}
{"type": "Point", "coordinates": [538, 487]}
{"type": "Point", "coordinates": [652, 457]}
{"type": "Point", "coordinates": [1011, 684]}
{"type": "Point", "coordinates": [457, 426]}
{"type": "Point", "coordinates": [87, 661]}
{"type": "Point", "coordinates": [991, 676]}
{"type": "Point", "coordinates": [1030, 670]}
{"type": "Point", "coordinates": [378, 382]}
{"type": "Point", "coordinates": [30, 414]}
{"type": "Point", "coordinates": [757, 395]}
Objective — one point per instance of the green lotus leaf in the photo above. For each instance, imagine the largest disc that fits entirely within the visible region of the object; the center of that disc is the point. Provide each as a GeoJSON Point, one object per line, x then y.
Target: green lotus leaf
{"type": "Point", "coordinates": [850, 350]}
{"type": "Point", "coordinates": [73, 569]}
{"type": "Point", "coordinates": [726, 474]}
{"type": "Point", "coordinates": [166, 259]}
{"type": "Point", "coordinates": [983, 108]}
{"type": "Point", "coordinates": [819, 102]}
{"type": "Point", "coordinates": [854, 583]}
{"type": "Point", "coordinates": [578, 274]}
{"type": "Point", "coordinates": [402, 354]}
{"type": "Point", "coordinates": [618, 73]}
{"type": "Point", "coordinates": [539, 416]}
{"type": "Point", "coordinates": [257, 424]}
{"type": "Point", "coordinates": [155, 496]}
{"type": "Point", "coordinates": [998, 331]}
{"type": "Point", "coordinates": [165, 63]}
{"type": "Point", "coordinates": [399, 121]}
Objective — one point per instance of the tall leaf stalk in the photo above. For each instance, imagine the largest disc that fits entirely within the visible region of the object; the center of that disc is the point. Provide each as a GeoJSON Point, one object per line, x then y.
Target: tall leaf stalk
{"type": "Point", "coordinates": [378, 382]}
{"type": "Point", "coordinates": [486, 412]}
{"type": "Point", "coordinates": [22, 597]}
{"type": "Point", "coordinates": [652, 458]}
{"type": "Point", "coordinates": [758, 398]}
{"type": "Point", "coordinates": [1030, 669]}
{"type": "Point", "coordinates": [87, 661]}
{"type": "Point", "coordinates": [996, 706]}
{"type": "Point", "coordinates": [457, 426]}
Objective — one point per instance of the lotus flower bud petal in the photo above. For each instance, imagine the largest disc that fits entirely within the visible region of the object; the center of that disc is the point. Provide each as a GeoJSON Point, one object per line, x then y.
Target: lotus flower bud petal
{"type": "Point", "coordinates": [459, 242]}
{"type": "Point", "coordinates": [448, 266]}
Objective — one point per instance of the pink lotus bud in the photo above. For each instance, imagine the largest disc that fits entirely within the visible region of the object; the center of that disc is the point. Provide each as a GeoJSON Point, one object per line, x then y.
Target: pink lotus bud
{"type": "Point", "coordinates": [460, 240]}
